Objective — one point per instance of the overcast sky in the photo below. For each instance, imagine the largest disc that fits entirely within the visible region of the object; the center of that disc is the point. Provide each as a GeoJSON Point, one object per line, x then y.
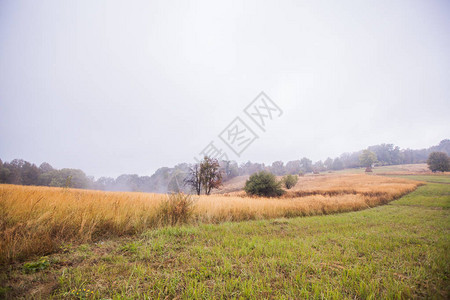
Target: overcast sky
{"type": "Point", "coordinates": [115, 87]}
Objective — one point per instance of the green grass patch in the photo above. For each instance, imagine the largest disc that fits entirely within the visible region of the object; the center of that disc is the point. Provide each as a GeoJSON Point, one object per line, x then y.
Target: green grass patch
{"type": "Point", "coordinates": [431, 195]}
{"type": "Point", "coordinates": [438, 178]}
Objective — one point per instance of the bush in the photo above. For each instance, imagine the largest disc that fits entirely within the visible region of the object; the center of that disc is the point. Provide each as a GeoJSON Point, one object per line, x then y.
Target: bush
{"type": "Point", "coordinates": [438, 161]}
{"type": "Point", "coordinates": [263, 184]}
{"type": "Point", "coordinates": [290, 181]}
{"type": "Point", "coordinates": [176, 209]}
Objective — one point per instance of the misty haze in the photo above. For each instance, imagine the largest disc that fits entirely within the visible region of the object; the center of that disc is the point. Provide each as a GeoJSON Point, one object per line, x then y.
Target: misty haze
{"type": "Point", "coordinates": [224, 149]}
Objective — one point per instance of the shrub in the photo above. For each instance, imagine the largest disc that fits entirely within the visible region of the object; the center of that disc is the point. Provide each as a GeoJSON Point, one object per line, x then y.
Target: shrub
{"type": "Point", "coordinates": [290, 181]}
{"type": "Point", "coordinates": [176, 209]}
{"type": "Point", "coordinates": [438, 161]}
{"type": "Point", "coordinates": [263, 184]}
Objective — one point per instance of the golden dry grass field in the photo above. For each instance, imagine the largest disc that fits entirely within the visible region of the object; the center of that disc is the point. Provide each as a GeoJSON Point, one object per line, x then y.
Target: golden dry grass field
{"type": "Point", "coordinates": [236, 184]}
{"type": "Point", "coordinates": [38, 220]}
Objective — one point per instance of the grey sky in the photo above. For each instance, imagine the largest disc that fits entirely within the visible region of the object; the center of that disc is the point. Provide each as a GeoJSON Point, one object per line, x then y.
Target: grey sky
{"type": "Point", "coordinates": [115, 87]}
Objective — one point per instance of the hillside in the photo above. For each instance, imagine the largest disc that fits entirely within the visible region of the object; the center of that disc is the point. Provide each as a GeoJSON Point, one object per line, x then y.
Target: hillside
{"type": "Point", "coordinates": [236, 184]}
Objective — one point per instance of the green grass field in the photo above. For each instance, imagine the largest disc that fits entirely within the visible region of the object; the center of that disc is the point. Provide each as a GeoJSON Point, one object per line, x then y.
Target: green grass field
{"type": "Point", "coordinates": [400, 250]}
{"type": "Point", "coordinates": [435, 178]}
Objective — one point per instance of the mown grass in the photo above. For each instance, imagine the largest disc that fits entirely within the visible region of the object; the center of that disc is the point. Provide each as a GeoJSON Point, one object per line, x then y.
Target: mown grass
{"type": "Point", "coordinates": [396, 251]}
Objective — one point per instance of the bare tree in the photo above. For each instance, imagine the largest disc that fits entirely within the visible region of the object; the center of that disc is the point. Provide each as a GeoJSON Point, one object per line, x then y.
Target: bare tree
{"type": "Point", "coordinates": [194, 178]}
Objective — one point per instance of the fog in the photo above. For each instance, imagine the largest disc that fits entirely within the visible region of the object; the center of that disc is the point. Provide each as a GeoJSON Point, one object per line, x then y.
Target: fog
{"type": "Point", "coordinates": [115, 87]}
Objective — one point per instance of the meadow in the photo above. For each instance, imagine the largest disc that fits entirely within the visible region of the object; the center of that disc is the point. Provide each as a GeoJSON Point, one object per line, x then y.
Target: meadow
{"type": "Point", "coordinates": [38, 220]}
{"type": "Point", "coordinates": [395, 251]}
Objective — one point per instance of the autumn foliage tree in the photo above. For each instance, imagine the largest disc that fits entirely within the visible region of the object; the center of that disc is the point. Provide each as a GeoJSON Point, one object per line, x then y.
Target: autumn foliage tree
{"type": "Point", "coordinates": [204, 176]}
{"type": "Point", "coordinates": [210, 174]}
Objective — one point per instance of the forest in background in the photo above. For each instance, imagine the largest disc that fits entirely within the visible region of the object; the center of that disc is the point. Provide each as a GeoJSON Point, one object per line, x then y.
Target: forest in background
{"type": "Point", "coordinates": [166, 179]}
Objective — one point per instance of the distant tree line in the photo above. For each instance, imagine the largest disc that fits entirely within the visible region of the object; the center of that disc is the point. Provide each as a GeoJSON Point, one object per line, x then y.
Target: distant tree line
{"type": "Point", "coordinates": [167, 179]}
{"type": "Point", "coordinates": [386, 154]}
{"type": "Point", "coordinates": [22, 172]}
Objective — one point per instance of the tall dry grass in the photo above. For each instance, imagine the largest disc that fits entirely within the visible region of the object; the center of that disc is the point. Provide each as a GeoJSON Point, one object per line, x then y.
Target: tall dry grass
{"type": "Point", "coordinates": [37, 220]}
